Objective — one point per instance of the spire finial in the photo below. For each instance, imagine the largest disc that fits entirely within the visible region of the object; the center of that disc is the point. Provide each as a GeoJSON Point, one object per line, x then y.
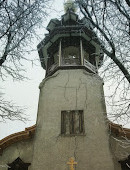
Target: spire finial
{"type": "Point", "coordinates": [70, 5]}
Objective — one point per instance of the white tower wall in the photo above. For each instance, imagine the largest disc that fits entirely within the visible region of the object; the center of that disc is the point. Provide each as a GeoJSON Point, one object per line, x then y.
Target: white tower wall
{"type": "Point", "coordinates": [72, 90]}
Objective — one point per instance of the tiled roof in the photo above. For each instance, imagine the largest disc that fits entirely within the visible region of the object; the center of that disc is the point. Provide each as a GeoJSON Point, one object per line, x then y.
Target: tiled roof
{"type": "Point", "coordinates": [119, 131]}
{"type": "Point", "coordinates": [115, 129]}
{"type": "Point", "coordinates": [16, 137]}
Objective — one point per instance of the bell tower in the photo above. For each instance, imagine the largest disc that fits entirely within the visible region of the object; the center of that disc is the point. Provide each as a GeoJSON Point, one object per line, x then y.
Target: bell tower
{"type": "Point", "coordinates": [71, 113]}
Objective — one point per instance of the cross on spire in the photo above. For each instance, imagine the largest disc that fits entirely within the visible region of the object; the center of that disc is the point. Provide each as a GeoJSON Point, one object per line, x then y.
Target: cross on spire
{"type": "Point", "coordinates": [69, 5]}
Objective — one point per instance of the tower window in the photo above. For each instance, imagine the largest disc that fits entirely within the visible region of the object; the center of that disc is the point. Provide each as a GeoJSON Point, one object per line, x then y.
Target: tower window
{"type": "Point", "coordinates": [71, 56]}
{"type": "Point", "coordinates": [72, 122]}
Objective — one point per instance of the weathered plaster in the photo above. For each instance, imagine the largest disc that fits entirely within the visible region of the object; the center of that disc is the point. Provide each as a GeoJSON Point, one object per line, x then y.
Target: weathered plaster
{"type": "Point", "coordinates": [120, 147]}
{"type": "Point", "coordinates": [23, 149]}
{"type": "Point", "coordinates": [72, 90]}
{"type": "Point", "coordinates": [97, 149]}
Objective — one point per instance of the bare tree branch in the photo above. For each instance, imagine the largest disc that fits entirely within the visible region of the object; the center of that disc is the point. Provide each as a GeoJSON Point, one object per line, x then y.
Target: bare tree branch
{"type": "Point", "coordinates": [19, 20]}
{"type": "Point", "coordinates": [128, 2]}
{"type": "Point", "coordinates": [111, 22]}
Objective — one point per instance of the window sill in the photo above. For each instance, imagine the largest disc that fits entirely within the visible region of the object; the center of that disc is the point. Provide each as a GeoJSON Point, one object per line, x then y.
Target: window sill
{"type": "Point", "coordinates": [72, 135]}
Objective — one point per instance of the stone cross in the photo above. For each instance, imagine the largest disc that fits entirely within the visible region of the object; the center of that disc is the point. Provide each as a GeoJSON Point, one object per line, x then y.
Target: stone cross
{"type": "Point", "coordinates": [72, 163]}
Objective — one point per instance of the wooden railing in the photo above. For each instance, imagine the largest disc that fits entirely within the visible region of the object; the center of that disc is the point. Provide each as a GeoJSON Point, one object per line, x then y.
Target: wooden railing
{"type": "Point", "coordinates": [17, 137]}
{"type": "Point", "coordinates": [71, 61]}
{"type": "Point", "coordinates": [52, 67]}
{"type": "Point", "coordinates": [90, 66]}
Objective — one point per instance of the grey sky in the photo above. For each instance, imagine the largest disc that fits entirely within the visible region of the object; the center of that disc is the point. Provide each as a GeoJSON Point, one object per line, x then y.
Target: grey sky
{"type": "Point", "coordinates": [26, 93]}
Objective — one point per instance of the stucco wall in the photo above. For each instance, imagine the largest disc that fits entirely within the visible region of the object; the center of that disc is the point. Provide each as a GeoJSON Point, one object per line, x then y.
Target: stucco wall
{"type": "Point", "coordinates": [120, 149]}
{"type": "Point", "coordinates": [23, 149]}
{"type": "Point", "coordinates": [71, 90]}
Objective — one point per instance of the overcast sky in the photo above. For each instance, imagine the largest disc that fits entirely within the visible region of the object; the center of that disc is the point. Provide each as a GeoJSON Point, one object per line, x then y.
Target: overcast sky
{"type": "Point", "coordinates": [26, 93]}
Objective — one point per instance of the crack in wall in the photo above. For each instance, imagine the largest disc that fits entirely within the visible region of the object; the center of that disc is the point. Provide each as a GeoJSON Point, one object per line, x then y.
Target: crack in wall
{"type": "Point", "coordinates": [76, 99]}
{"type": "Point", "coordinates": [18, 150]}
{"type": "Point", "coordinates": [85, 86]}
{"type": "Point", "coordinates": [80, 83]}
{"type": "Point", "coordinates": [68, 78]}
{"type": "Point", "coordinates": [75, 148]}
{"type": "Point", "coordinates": [86, 96]}
{"type": "Point", "coordinates": [46, 79]}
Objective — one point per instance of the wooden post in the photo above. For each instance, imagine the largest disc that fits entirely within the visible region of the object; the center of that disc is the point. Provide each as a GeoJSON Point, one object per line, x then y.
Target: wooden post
{"type": "Point", "coordinates": [60, 54]}
{"type": "Point", "coordinates": [97, 61]}
{"type": "Point", "coordinates": [82, 56]}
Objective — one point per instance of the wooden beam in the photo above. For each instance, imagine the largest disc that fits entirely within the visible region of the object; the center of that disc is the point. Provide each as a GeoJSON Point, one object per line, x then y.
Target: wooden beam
{"type": "Point", "coordinates": [82, 55]}
{"type": "Point", "coordinates": [60, 54]}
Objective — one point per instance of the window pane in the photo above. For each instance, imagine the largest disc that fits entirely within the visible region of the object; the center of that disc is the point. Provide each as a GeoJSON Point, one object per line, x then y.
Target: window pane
{"type": "Point", "coordinates": [70, 56]}
{"type": "Point", "coordinates": [81, 122]}
{"type": "Point", "coordinates": [76, 122]}
{"type": "Point", "coordinates": [72, 122]}
{"type": "Point", "coordinates": [67, 122]}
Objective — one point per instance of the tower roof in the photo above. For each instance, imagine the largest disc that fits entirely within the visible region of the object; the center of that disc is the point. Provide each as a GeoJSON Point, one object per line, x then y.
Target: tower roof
{"type": "Point", "coordinates": [69, 24]}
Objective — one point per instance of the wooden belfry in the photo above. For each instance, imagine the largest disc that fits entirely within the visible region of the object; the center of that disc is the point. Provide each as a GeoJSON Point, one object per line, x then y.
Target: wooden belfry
{"type": "Point", "coordinates": [70, 45]}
